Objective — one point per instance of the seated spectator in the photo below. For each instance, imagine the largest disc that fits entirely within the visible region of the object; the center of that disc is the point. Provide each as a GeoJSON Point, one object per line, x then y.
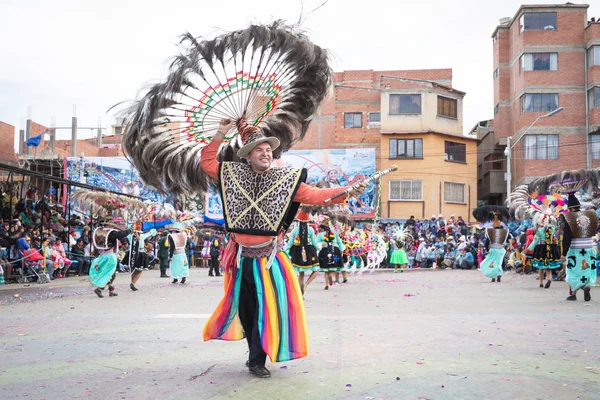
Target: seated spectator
{"type": "Point", "coordinates": [464, 260]}
{"type": "Point", "coordinates": [47, 252]}
{"type": "Point", "coordinates": [449, 257]}
{"type": "Point", "coordinates": [60, 259]}
{"type": "Point", "coordinates": [78, 254]}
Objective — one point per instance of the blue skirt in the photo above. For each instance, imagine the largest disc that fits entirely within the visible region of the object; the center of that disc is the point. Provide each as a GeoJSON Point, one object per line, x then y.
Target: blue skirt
{"type": "Point", "coordinates": [179, 266]}
{"type": "Point", "coordinates": [492, 265]}
{"type": "Point", "coordinates": [581, 268]}
{"type": "Point", "coordinates": [102, 269]}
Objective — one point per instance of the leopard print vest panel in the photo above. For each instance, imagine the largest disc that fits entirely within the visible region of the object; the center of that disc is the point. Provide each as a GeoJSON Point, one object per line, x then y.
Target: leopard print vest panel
{"type": "Point", "coordinates": [258, 203]}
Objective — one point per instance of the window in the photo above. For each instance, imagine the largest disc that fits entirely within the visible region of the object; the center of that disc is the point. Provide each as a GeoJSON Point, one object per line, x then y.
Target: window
{"type": "Point", "coordinates": [539, 102]}
{"type": "Point", "coordinates": [406, 148]}
{"type": "Point", "coordinates": [593, 56]}
{"type": "Point", "coordinates": [538, 22]}
{"type": "Point", "coordinates": [454, 192]}
{"type": "Point", "coordinates": [456, 152]}
{"type": "Point", "coordinates": [118, 130]}
{"type": "Point", "coordinates": [375, 117]}
{"type": "Point", "coordinates": [446, 107]}
{"type": "Point", "coordinates": [405, 104]}
{"type": "Point", "coordinates": [541, 147]}
{"type": "Point", "coordinates": [539, 62]}
{"type": "Point", "coordinates": [352, 120]}
{"type": "Point", "coordinates": [594, 97]}
{"type": "Point", "coordinates": [595, 147]}
{"type": "Point", "coordinates": [406, 190]}
{"type": "Point", "coordinates": [496, 73]}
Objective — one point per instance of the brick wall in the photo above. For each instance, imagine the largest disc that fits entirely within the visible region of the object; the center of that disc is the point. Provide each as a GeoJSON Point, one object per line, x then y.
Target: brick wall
{"type": "Point", "coordinates": [7, 143]}
{"type": "Point", "coordinates": [350, 94]}
{"type": "Point", "coordinates": [568, 81]}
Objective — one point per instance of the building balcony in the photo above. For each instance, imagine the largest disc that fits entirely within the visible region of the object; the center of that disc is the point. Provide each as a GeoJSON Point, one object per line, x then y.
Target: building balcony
{"type": "Point", "coordinates": [492, 183]}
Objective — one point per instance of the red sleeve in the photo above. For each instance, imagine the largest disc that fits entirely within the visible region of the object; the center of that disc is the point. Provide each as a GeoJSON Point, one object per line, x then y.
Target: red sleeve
{"type": "Point", "coordinates": [308, 194]}
{"type": "Point", "coordinates": [208, 158]}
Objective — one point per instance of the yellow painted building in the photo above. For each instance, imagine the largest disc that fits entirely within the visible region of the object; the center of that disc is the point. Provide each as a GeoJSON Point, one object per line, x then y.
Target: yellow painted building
{"type": "Point", "coordinates": [421, 133]}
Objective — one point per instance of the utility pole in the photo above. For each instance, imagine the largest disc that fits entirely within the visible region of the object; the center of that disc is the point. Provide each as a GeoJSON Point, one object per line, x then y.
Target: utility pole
{"type": "Point", "coordinates": [74, 132]}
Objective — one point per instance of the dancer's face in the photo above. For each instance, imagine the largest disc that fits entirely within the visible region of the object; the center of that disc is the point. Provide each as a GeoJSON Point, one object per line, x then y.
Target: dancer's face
{"type": "Point", "coordinates": [261, 157]}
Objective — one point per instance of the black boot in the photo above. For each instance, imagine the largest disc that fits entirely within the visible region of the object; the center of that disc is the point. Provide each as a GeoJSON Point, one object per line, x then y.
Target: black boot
{"type": "Point", "coordinates": [132, 287]}
{"type": "Point", "coordinates": [260, 372]}
{"type": "Point", "coordinates": [587, 296]}
{"type": "Point", "coordinates": [183, 280]}
{"type": "Point", "coordinates": [499, 278]}
{"type": "Point", "coordinates": [572, 297]}
{"type": "Point", "coordinates": [174, 281]}
{"type": "Point", "coordinates": [112, 294]}
{"type": "Point", "coordinates": [547, 285]}
{"type": "Point", "coordinates": [493, 279]}
{"type": "Point", "coordinates": [98, 291]}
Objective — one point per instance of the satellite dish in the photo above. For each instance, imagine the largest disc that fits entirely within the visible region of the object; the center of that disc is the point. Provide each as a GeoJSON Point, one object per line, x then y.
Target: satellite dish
{"type": "Point", "coordinates": [505, 20]}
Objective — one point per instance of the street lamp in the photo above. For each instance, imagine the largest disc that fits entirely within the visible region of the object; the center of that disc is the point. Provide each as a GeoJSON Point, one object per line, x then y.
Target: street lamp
{"type": "Point", "coordinates": [509, 147]}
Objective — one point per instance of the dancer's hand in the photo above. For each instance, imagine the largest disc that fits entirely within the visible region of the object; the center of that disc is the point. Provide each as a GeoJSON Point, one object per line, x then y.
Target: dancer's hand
{"type": "Point", "coordinates": [224, 127]}
{"type": "Point", "coordinates": [358, 191]}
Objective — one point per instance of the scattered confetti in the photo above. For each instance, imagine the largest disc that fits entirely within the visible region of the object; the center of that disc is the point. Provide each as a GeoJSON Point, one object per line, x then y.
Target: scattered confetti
{"type": "Point", "coordinates": [348, 385]}
{"type": "Point", "coordinates": [284, 367]}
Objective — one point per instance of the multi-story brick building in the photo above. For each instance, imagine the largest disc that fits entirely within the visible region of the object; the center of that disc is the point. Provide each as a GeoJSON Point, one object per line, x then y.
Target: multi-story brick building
{"type": "Point", "coordinates": [547, 57]}
{"type": "Point", "coordinates": [436, 162]}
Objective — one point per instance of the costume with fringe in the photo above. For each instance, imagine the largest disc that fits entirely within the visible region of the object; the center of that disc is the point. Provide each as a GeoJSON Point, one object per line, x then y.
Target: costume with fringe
{"type": "Point", "coordinates": [330, 255]}
{"type": "Point", "coordinates": [546, 253]}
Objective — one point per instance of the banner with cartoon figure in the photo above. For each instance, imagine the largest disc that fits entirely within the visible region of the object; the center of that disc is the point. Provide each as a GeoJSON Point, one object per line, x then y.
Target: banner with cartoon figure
{"type": "Point", "coordinates": [338, 167]}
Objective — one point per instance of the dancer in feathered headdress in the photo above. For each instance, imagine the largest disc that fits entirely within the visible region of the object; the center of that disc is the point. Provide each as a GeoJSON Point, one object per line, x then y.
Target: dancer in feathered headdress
{"type": "Point", "coordinates": [399, 236]}
{"type": "Point", "coordinates": [578, 229]}
{"type": "Point", "coordinates": [544, 210]}
{"type": "Point", "coordinates": [492, 219]}
{"type": "Point", "coordinates": [240, 100]}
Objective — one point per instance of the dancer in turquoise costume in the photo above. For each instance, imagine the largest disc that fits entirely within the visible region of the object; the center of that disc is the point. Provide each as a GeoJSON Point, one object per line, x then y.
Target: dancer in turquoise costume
{"type": "Point", "coordinates": [497, 233]}
{"type": "Point", "coordinates": [302, 249]}
{"type": "Point", "coordinates": [178, 261]}
{"type": "Point", "coordinates": [578, 248]}
{"type": "Point", "coordinates": [104, 267]}
{"type": "Point", "coordinates": [579, 227]}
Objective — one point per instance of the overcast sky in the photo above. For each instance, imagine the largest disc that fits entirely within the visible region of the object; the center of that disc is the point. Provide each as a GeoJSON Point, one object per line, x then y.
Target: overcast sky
{"type": "Point", "coordinates": [56, 53]}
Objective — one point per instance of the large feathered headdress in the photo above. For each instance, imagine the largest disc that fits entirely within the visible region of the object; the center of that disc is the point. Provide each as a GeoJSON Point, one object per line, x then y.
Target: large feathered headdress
{"type": "Point", "coordinates": [567, 181]}
{"type": "Point", "coordinates": [543, 208]}
{"type": "Point", "coordinates": [490, 216]}
{"type": "Point", "coordinates": [271, 76]}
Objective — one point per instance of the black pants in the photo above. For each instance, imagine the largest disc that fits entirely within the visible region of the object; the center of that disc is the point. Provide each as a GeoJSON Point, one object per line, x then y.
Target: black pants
{"type": "Point", "coordinates": [214, 265]}
{"type": "Point", "coordinates": [83, 265]}
{"type": "Point", "coordinates": [164, 264]}
{"type": "Point", "coordinates": [248, 312]}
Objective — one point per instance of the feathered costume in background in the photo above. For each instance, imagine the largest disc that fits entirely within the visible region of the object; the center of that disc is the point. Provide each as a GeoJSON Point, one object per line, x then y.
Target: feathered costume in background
{"type": "Point", "coordinates": [578, 227]}
{"type": "Point", "coordinates": [269, 75]}
{"type": "Point", "coordinates": [493, 219]}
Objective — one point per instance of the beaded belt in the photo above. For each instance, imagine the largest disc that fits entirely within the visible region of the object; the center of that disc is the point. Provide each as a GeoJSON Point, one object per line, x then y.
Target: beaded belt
{"type": "Point", "coordinates": [179, 251]}
{"type": "Point", "coordinates": [267, 249]}
{"type": "Point", "coordinates": [496, 246]}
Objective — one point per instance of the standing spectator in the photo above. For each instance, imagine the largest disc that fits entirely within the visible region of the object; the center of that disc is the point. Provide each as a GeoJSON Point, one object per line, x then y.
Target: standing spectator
{"type": "Point", "coordinates": [163, 253]}
{"type": "Point", "coordinates": [215, 251]}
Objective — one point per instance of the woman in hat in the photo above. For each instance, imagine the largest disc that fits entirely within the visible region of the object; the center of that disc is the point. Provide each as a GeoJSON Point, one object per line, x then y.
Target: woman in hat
{"type": "Point", "coordinates": [330, 255]}
{"type": "Point", "coordinates": [302, 248]}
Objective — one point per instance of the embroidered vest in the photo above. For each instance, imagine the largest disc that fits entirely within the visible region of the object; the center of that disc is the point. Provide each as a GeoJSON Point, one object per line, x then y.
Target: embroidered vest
{"type": "Point", "coordinates": [180, 239]}
{"type": "Point", "coordinates": [258, 204]}
{"type": "Point", "coordinates": [583, 224]}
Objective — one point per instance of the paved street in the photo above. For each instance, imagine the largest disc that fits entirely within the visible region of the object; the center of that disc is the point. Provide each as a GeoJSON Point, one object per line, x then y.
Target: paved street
{"type": "Point", "coordinates": [413, 335]}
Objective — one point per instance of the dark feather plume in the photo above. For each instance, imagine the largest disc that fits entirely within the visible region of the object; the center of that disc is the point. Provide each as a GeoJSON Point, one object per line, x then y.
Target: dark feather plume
{"type": "Point", "coordinates": [486, 213]}
{"type": "Point", "coordinates": [567, 181]}
{"type": "Point", "coordinates": [157, 144]}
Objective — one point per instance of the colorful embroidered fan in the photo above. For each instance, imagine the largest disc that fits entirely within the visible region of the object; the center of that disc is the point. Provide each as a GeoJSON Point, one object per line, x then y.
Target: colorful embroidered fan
{"type": "Point", "coordinates": [548, 203]}
{"type": "Point", "coordinates": [272, 76]}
